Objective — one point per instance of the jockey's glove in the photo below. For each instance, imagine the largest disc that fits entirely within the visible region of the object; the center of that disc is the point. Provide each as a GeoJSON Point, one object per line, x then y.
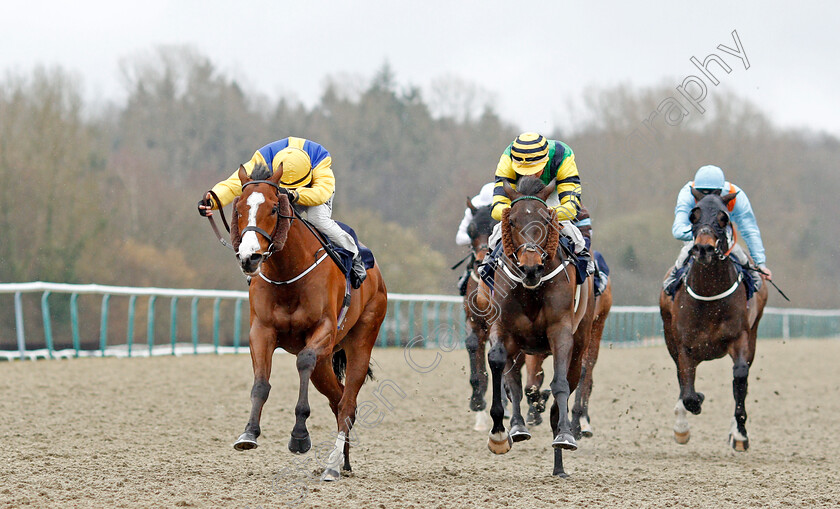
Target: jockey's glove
{"type": "Point", "coordinates": [204, 202]}
{"type": "Point", "coordinates": [294, 196]}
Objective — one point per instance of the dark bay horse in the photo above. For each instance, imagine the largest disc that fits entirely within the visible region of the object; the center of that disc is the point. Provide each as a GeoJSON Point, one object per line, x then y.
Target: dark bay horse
{"type": "Point", "coordinates": [542, 310]}
{"type": "Point", "coordinates": [710, 316]}
{"type": "Point", "coordinates": [581, 426]}
{"type": "Point", "coordinates": [479, 312]}
{"type": "Point", "coordinates": [295, 301]}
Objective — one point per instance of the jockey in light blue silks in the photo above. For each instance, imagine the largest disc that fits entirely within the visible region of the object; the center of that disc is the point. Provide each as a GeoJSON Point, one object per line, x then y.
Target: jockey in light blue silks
{"type": "Point", "coordinates": [710, 179]}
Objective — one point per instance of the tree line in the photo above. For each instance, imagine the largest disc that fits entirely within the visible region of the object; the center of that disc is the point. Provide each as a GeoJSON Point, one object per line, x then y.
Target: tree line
{"type": "Point", "coordinates": [110, 197]}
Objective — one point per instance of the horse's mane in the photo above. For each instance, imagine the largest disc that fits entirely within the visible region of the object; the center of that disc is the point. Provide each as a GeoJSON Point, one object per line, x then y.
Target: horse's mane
{"type": "Point", "coordinates": [529, 186]}
{"type": "Point", "coordinates": [261, 172]}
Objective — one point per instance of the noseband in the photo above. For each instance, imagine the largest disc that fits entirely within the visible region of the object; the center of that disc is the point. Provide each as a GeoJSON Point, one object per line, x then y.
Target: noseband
{"type": "Point", "coordinates": [274, 211]}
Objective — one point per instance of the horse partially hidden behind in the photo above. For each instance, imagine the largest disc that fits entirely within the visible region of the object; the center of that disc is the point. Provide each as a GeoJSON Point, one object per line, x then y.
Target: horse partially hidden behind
{"type": "Point", "coordinates": [581, 424]}
{"type": "Point", "coordinates": [479, 311]}
{"type": "Point", "coordinates": [542, 310]}
{"type": "Point", "coordinates": [295, 301]}
{"type": "Point", "coordinates": [710, 316]}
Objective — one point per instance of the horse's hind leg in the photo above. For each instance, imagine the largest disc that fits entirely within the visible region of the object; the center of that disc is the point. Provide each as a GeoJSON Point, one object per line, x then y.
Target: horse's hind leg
{"type": "Point", "coordinates": [262, 343]}
{"type": "Point", "coordinates": [580, 412]}
{"type": "Point", "coordinates": [742, 352]}
{"type": "Point", "coordinates": [478, 379]}
{"type": "Point", "coordinates": [536, 398]}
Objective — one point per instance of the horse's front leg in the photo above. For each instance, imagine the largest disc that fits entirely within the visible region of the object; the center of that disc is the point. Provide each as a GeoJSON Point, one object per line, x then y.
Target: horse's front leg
{"type": "Point", "coordinates": [689, 399]}
{"type": "Point", "coordinates": [478, 378]}
{"type": "Point", "coordinates": [562, 343]}
{"type": "Point", "coordinates": [499, 441]}
{"type": "Point", "coordinates": [318, 349]}
{"type": "Point", "coordinates": [742, 352]}
{"type": "Point", "coordinates": [262, 342]}
{"type": "Point", "coordinates": [513, 378]}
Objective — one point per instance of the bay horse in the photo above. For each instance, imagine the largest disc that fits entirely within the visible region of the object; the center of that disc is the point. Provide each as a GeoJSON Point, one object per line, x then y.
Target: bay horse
{"type": "Point", "coordinates": [479, 311]}
{"type": "Point", "coordinates": [542, 310]}
{"type": "Point", "coordinates": [710, 316]}
{"type": "Point", "coordinates": [581, 424]}
{"type": "Point", "coordinates": [295, 301]}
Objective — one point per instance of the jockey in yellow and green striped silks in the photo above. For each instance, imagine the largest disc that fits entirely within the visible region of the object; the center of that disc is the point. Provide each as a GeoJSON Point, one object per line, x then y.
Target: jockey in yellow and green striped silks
{"type": "Point", "coordinates": [533, 154]}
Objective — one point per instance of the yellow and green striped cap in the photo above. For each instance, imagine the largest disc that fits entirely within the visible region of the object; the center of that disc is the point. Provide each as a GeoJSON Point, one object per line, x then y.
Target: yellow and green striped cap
{"type": "Point", "coordinates": [529, 153]}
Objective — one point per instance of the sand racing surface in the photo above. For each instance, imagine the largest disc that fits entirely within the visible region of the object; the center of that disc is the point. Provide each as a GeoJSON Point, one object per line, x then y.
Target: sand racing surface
{"type": "Point", "coordinates": [158, 433]}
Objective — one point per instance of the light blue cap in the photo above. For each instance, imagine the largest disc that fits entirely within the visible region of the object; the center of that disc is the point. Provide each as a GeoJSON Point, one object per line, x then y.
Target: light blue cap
{"type": "Point", "coordinates": [709, 177]}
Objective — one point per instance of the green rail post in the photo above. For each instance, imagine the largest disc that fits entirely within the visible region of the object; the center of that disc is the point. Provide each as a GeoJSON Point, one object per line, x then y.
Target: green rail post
{"type": "Point", "coordinates": [436, 311]}
{"type": "Point", "coordinates": [74, 322]}
{"type": "Point", "coordinates": [129, 335]}
{"type": "Point", "coordinates": [411, 306]}
{"type": "Point", "coordinates": [21, 338]}
{"type": "Point", "coordinates": [173, 323]}
{"type": "Point", "coordinates": [194, 320]}
{"type": "Point", "coordinates": [396, 324]}
{"type": "Point", "coordinates": [45, 315]}
{"type": "Point", "coordinates": [103, 325]}
{"type": "Point", "coordinates": [216, 304]}
{"type": "Point", "coordinates": [237, 324]}
{"type": "Point", "coordinates": [150, 324]}
{"type": "Point", "coordinates": [423, 323]}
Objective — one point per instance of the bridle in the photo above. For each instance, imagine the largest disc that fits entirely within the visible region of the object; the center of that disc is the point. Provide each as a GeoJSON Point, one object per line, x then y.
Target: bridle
{"type": "Point", "coordinates": [720, 236]}
{"type": "Point", "coordinates": [531, 246]}
{"type": "Point", "coordinates": [274, 211]}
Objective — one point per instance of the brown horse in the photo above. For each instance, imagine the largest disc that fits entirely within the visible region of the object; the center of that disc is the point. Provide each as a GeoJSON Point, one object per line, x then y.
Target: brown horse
{"type": "Point", "coordinates": [479, 312]}
{"type": "Point", "coordinates": [542, 310]}
{"type": "Point", "coordinates": [710, 316]}
{"type": "Point", "coordinates": [581, 426]}
{"type": "Point", "coordinates": [295, 302]}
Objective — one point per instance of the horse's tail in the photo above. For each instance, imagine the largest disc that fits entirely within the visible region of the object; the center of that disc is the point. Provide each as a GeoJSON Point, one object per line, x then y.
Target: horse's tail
{"type": "Point", "coordinates": [339, 363]}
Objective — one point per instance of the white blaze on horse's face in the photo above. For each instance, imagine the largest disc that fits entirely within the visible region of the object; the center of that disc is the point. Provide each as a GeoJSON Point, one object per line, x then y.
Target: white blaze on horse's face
{"type": "Point", "coordinates": [250, 242]}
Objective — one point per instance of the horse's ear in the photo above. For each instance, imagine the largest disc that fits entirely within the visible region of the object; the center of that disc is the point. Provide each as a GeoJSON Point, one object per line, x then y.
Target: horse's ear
{"type": "Point", "coordinates": [275, 177]}
{"type": "Point", "coordinates": [696, 194]}
{"type": "Point", "coordinates": [471, 206]}
{"type": "Point", "coordinates": [243, 175]}
{"type": "Point", "coordinates": [694, 216]}
{"type": "Point", "coordinates": [728, 197]}
{"type": "Point", "coordinates": [546, 191]}
{"type": "Point", "coordinates": [510, 191]}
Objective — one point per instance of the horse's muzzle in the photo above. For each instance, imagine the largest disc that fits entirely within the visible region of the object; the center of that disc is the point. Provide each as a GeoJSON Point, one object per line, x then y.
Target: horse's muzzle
{"type": "Point", "coordinates": [251, 265]}
{"type": "Point", "coordinates": [704, 253]}
{"type": "Point", "coordinates": [532, 274]}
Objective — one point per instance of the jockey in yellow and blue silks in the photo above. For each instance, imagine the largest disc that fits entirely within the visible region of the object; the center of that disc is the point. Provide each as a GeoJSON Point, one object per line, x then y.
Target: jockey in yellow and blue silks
{"type": "Point", "coordinates": [710, 179]}
{"type": "Point", "coordinates": [307, 173]}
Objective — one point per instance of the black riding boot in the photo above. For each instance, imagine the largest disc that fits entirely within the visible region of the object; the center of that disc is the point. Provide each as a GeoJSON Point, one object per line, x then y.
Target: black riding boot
{"type": "Point", "coordinates": [669, 283]}
{"type": "Point", "coordinates": [358, 274]}
{"type": "Point", "coordinates": [462, 282]}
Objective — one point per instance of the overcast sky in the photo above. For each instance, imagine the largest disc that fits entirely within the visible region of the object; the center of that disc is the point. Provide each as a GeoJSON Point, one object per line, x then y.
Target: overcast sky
{"type": "Point", "coordinates": [532, 57]}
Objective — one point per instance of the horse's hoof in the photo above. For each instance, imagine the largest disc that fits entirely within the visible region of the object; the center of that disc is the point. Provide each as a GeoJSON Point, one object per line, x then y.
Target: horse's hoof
{"type": "Point", "coordinates": [330, 475]}
{"type": "Point", "coordinates": [561, 475]}
{"type": "Point", "coordinates": [739, 445]}
{"type": "Point", "coordinates": [482, 421]}
{"type": "Point", "coordinates": [564, 440]}
{"type": "Point", "coordinates": [519, 433]}
{"type": "Point", "coordinates": [533, 418]}
{"type": "Point", "coordinates": [499, 443]}
{"type": "Point", "coordinates": [477, 405]}
{"type": "Point", "coordinates": [682, 437]}
{"type": "Point", "coordinates": [300, 445]}
{"type": "Point", "coordinates": [245, 442]}
{"type": "Point", "coordinates": [585, 428]}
